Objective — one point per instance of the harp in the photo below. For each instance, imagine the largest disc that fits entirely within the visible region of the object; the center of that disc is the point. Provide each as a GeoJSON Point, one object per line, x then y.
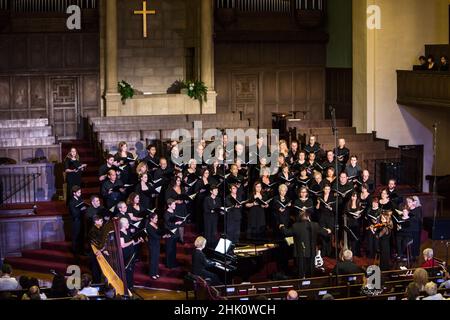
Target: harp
{"type": "Point", "coordinates": [112, 263]}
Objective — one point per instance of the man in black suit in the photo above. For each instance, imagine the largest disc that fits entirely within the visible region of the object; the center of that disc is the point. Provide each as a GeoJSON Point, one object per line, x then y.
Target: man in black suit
{"type": "Point", "coordinates": [77, 209]}
{"type": "Point", "coordinates": [305, 233]}
{"type": "Point", "coordinates": [347, 266]}
{"type": "Point", "coordinates": [200, 263]}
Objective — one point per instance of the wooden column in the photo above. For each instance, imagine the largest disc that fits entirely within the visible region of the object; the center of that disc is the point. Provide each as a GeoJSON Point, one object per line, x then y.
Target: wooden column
{"type": "Point", "coordinates": [206, 44]}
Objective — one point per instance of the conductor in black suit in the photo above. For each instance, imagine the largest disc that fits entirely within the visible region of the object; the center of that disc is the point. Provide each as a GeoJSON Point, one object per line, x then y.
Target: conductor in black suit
{"type": "Point", "coordinates": [305, 233]}
{"type": "Point", "coordinates": [200, 263]}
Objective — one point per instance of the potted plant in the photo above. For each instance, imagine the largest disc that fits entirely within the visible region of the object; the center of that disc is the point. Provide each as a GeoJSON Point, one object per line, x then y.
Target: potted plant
{"type": "Point", "coordinates": [126, 91]}
{"type": "Point", "coordinates": [196, 90]}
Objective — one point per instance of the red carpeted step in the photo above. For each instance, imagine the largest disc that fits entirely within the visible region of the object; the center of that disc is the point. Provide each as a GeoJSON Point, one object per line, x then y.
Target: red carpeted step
{"type": "Point", "coordinates": [56, 256]}
{"type": "Point", "coordinates": [40, 266]}
{"type": "Point", "coordinates": [143, 268]}
{"type": "Point", "coordinates": [63, 246]}
{"type": "Point", "coordinates": [162, 283]}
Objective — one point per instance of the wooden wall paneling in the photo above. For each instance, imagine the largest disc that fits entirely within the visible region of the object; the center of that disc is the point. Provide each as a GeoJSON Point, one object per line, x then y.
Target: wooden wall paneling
{"type": "Point", "coordinates": [55, 45]}
{"type": "Point", "coordinates": [5, 98]}
{"type": "Point", "coordinates": [20, 97]}
{"type": "Point", "coordinates": [5, 47]}
{"type": "Point", "coordinates": [301, 91]}
{"type": "Point", "coordinates": [30, 235]}
{"type": "Point", "coordinates": [73, 49]}
{"type": "Point", "coordinates": [19, 51]}
{"type": "Point", "coordinates": [223, 89]}
{"type": "Point", "coordinates": [12, 237]}
{"type": "Point", "coordinates": [90, 51]}
{"type": "Point", "coordinates": [27, 233]}
{"type": "Point", "coordinates": [37, 51]}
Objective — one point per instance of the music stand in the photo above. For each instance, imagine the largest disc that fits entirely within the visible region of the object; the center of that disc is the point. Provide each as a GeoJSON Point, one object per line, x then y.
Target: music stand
{"type": "Point", "coordinates": [336, 222]}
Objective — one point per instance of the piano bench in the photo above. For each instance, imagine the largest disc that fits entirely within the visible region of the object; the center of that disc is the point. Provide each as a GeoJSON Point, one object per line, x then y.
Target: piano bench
{"type": "Point", "coordinates": [189, 284]}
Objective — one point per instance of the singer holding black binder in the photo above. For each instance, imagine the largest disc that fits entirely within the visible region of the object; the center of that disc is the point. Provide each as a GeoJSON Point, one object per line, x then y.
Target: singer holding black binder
{"type": "Point", "coordinates": [305, 233]}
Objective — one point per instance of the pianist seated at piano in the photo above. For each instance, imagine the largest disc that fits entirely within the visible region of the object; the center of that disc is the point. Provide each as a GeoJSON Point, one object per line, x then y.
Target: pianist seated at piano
{"type": "Point", "coordinates": [200, 264]}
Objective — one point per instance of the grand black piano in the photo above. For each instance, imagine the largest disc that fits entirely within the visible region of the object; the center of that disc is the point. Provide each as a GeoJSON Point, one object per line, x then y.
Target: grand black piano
{"type": "Point", "coordinates": [241, 261]}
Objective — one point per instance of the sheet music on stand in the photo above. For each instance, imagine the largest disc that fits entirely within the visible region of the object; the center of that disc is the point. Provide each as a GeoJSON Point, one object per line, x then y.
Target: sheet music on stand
{"type": "Point", "coordinates": [223, 245]}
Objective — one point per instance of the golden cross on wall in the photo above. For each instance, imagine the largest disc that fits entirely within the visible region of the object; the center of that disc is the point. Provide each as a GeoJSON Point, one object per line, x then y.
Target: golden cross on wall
{"type": "Point", "coordinates": [144, 13]}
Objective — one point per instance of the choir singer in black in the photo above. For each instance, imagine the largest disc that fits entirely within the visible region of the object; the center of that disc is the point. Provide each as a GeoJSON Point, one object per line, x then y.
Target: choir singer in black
{"type": "Point", "coordinates": [77, 209]}
{"type": "Point", "coordinates": [211, 208]}
{"type": "Point", "coordinates": [305, 233]}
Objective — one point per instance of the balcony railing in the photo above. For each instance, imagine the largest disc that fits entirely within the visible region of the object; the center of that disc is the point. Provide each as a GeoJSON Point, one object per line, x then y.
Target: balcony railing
{"type": "Point", "coordinates": [45, 5]}
{"type": "Point", "coordinates": [423, 88]}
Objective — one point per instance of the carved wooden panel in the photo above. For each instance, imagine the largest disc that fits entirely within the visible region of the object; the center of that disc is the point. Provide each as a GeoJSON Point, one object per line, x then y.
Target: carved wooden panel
{"type": "Point", "coordinates": [4, 93]}
{"type": "Point", "coordinates": [89, 99]}
{"type": "Point", "coordinates": [20, 94]}
{"type": "Point", "coordinates": [290, 76]}
{"type": "Point", "coordinates": [245, 88]}
{"type": "Point", "coordinates": [64, 101]}
{"type": "Point", "coordinates": [38, 93]}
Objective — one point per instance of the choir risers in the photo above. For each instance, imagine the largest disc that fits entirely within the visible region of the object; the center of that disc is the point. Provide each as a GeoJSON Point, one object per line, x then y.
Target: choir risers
{"type": "Point", "coordinates": [169, 126]}
{"type": "Point", "coordinates": [21, 142]}
{"type": "Point", "coordinates": [327, 131]}
{"type": "Point", "coordinates": [23, 123]}
{"type": "Point", "coordinates": [359, 146]}
{"type": "Point", "coordinates": [160, 120]}
{"type": "Point", "coordinates": [362, 137]}
{"type": "Point", "coordinates": [307, 124]}
{"type": "Point", "coordinates": [25, 132]}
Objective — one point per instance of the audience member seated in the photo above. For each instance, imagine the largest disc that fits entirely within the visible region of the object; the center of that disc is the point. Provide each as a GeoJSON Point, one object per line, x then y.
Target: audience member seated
{"type": "Point", "coordinates": [80, 296]}
{"type": "Point", "coordinates": [444, 64]}
{"type": "Point", "coordinates": [446, 284]}
{"type": "Point", "coordinates": [110, 293]}
{"type": "Point", "coordinates": [59, 287]}
{"type": "Point", "coordinates": [347, 266]}
{"type": "Point", "coordinates": [431, 290]}
{"type": "Point", "coordinates": [6, 281]}
{"type": "Point", "coordinates": [428, 257]}
{"type": "Point", "coordinates": [292, 295]}
{"type": "Point", "coordinates": [34, 293]}
{"type": "Point", "coordinates": [432, 66]}
{"type": "Point", "coordinates": [86, 289]}
{"type": "Point", "coordinates": [328, 297]}
{"type": "Point", "coordinates": [412, 292]}
{"type": "Point", "coordinates": [423, 65]}
{"type": "Point", "coordinates": [24, 283]}
{"type": "Point", "coordinates": [420, 278]}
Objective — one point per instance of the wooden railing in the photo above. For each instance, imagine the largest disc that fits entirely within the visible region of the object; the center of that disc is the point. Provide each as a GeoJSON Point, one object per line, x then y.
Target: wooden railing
{"type": "Point", "coordinates": [45, 5]}
{"type": "Point", "coordinates": [423, 88]}
{"type": "Point", "coordinates": [18, 188]}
